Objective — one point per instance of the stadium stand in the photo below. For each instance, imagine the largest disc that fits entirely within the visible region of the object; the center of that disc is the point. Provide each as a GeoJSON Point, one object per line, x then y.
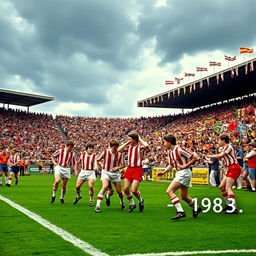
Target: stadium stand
{"type": "Point", "coordinates": [35, 135]}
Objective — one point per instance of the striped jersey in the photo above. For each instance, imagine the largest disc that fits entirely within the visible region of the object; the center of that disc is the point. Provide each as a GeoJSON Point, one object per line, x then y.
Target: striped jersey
{"type": "Point", "coordinates": [135, 155]}
{"type": "Point", "coordinates": [87, 161]}
{"type": "Point", "coordinates": [179, 156]}
{"type": "Point", "coordinates": [65, 158]}
{"type": "Point", "coordinates": [230, 155]}
{"type": "Point", "coordinates": [111, 160]}
{"type": "Point", "coordinates": [14, 159]}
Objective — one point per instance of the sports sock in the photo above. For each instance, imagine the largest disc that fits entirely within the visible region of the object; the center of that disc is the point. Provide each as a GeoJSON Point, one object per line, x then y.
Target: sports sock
{"type": "Point", "coordinates": [225, 195]}
{"type": "Point", "coordinates": [176, 203]}
{"type": "Point", "coordinates": [10, 180]}
{"type": "Point", "coordinates": [62, 194]}
{"type": "Point", "coordinates": [78, 193]}
{"type": "Point", "coordinates": [137, 195]}
{"type": "Point", "coordinates": [99, 199]}
{"type": "Point", "coordinates": [129, 197]}
{"type": "Point", "coordinates": [54, 189]}
{"type": "Point", "coordinates": [121, 196]}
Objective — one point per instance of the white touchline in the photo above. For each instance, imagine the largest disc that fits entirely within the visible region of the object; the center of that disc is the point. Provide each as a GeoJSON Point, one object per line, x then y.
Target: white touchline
{"type": "Point", "coordinates": [86, 247]}
{"type": "Point", "coordinates": [192, 253]}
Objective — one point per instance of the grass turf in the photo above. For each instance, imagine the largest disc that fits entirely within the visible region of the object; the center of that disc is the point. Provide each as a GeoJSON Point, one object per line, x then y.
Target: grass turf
{"type": "Point", "coordinates": [118, 232]}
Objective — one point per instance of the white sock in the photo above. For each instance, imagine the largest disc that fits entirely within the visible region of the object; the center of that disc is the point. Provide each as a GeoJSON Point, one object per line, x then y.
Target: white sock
{"type": "Point", "coordinates": [62, 194]}
{"type": "Point", "coordinates": [129, 197]}
{"type": "Point", "coordinates": [99, 199]}
{"type": "Point", "coordinates": [176, 203]}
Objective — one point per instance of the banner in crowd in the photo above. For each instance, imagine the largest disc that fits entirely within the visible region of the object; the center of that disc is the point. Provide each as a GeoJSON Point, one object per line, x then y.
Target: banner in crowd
{"type": "Point", "coordinates": [199, 175]}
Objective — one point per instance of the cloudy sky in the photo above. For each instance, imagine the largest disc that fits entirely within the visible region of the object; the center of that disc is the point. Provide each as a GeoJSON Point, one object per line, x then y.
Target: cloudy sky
{"type": "Point", "coordinates": [99, 57]}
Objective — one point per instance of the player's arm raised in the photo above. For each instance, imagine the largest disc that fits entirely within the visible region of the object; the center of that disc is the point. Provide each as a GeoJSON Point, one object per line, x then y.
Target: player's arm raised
{"type": "Point", "coordinates": [122, 147]}
{"type": "Point", "coordinates": [143, 142]}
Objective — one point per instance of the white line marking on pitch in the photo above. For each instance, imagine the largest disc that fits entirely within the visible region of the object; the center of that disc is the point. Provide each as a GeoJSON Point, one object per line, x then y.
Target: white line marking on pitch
{"type": "Point", "coordinates": [86, 247]}
{"type": "Point", "coordinates": [192, 253]}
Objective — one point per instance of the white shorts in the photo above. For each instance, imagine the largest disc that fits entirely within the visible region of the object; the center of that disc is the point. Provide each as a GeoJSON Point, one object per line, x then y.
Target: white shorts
{"type": "Point", "coordinates": [87, 175]}
{"type": "Point", "coordinates": [184, 177]}
{"type": "Point", "coordinates": [63, 171]}
{"type": "Point", "coordinates": [111, 176]}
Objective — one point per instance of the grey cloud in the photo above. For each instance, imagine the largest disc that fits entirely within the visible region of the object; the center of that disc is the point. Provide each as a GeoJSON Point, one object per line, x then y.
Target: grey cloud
{"type": "Point", "coordinates": [190, 27]}
{"type": "Point", "coordinates": [101, 32]}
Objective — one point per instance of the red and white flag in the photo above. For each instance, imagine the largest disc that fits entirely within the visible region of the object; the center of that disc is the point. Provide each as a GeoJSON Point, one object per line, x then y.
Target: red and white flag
{"type": "Point", "coordinates": [167, 82]}
{"type": "Point", "coordinates": [229, 58]}
{"type": "Point", "coordinates": [200, 69]}
{"type": "Point", "coordinates": [214, 63]}
{"type": "Point", "coordinates": [189, 74]}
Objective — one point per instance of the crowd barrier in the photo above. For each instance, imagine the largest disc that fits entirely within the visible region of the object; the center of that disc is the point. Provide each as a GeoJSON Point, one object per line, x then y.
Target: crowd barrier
{"type": "Point", "coordinates": [199, 175]}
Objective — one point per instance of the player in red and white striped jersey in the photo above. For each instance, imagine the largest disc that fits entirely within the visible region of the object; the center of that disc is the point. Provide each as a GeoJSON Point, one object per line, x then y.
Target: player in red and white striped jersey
{"type": "Point", "coordinates": [228, 155]}
{"type": "Point", "coordinates": [13, 163]}
{"type": "Point", "coordinates": [66, 158]}
{"type": "Point", "coordinates": [113, 161]}
{"type": "Point", "coordinates": [87, 161]}
{"type": "Point", "coordinates": [135, 148]}
{"type": "Point", "coordinates": [181, 159]}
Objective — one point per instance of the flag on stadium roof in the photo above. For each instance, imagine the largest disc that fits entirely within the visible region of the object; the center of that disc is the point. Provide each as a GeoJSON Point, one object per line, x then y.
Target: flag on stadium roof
{"type": "Point", "coordinates": [214, 63]}
{"type": "Point", "coordinates": [178, 79]}
{"type": "Point", "coordinates": [169, 82]}
{"type": "Point", "coordinates": [229, 58]}
{"type": "Point", "coordinates": [189, 74]}
{"type": "Point", "coordinates": [245, 50]}
{"type": "Point", "coordinates": [200, 69]}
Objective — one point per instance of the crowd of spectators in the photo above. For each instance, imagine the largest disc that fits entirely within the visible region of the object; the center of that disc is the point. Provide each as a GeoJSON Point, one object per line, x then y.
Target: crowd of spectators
{"type": "Point", "coordinates": [37, 135]}
{"type": "Point", "coordinates": [34, 135]}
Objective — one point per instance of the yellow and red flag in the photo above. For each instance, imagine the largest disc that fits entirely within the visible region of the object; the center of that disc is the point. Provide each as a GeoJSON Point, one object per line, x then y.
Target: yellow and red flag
{"type": "Point", "coordinates": [245, 50]}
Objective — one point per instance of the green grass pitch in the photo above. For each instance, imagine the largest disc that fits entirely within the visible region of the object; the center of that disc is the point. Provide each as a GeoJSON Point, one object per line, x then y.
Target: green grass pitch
{"type": "Point", "coordinates": [118, 232]}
